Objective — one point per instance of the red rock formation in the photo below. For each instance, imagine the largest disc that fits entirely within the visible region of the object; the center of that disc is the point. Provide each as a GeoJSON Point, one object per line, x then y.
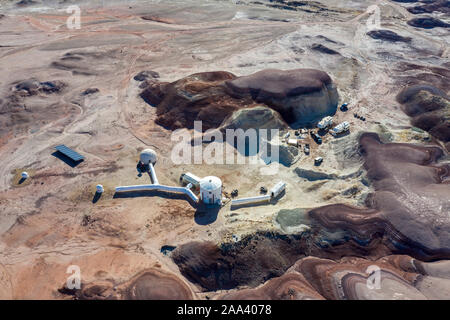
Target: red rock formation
{"type": "Point", "coordinates": [301, 95]}
{"type": "Point", "coordinates": [157, 285]}
{"type": "Point", "coordinates": [410, 203]}
{"type": "Point", "coordinates": [429, 109]}
{"type": "Point", "coordinates": [351, 278]}
{"type": "Point", "coordinates": [407, 213]}
{"type": "Point", "coordinates": [149, 284]}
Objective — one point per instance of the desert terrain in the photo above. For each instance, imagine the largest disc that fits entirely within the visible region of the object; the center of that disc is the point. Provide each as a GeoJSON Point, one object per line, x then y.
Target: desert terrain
{"type": "Point", "coordinates": [136, 71]}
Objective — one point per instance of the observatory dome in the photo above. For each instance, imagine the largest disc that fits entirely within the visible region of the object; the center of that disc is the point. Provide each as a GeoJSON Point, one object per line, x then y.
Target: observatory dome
{"type": "Point", "coordinates": [148, 156]}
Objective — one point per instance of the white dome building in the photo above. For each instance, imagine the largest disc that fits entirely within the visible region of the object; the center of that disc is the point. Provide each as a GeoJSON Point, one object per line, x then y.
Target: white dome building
{"type": "Point", "coordinates": [148, 156]}
{"type": "Point", "coordinates": [99, 188]}
{"type": "Point", "coordinates": [211, 190]}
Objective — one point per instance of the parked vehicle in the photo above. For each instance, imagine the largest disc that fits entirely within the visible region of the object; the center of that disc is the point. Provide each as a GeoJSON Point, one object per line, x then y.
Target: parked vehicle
{"type": "Point", "coordinates": [318, 161]}
{"type": "Point", "coordinates": [316, 137]}
{"type": "Point", "coordinates": [306, 148]}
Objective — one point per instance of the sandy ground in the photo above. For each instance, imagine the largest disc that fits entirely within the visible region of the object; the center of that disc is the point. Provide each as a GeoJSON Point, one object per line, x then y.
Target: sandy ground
{"type": "Point", "coordinates": [41, 221]}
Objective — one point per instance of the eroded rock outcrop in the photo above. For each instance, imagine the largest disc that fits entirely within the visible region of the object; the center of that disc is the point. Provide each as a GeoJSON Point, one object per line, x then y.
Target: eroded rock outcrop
{"type": "Point", "coordinates": [149, 284]}
{"type": "Point", "coordinates": [259, 117]}
{"type": "Point", "coordinates": [387, 35]}
{"type": "Point", "coordinates": [32, 103]}
{"type": "Point", "coordinates": [428, 23]}
{"type": "Point", "coordinates": [389, 278]}
{"type": "Point", "coordinates": [410, 204]}
{"type": "Point", "coordinates": [299, 96]}
{"type": "Point", "coordinates": [407, 214]}
{"type": "Point", "coordinates": [429, 109]}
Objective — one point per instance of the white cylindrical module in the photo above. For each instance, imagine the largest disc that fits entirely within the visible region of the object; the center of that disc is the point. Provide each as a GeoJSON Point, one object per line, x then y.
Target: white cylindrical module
{"type": "Point", "coordinates": [211, 190]}
{"type": "Point", "coordinates": [148, 156]}
{"type": "Point", "coordinates": [153, 173]}
{"type": "Point", "coordinates": [190, 178]}
{"type": "Point", "coordinates": [277, 189]}
{"type": "Point", "coordinates": [24, 175]}
{"type": "Point", "coordinates": [99, 188]}
{"type": "Point", "coordinates": [250, 200]}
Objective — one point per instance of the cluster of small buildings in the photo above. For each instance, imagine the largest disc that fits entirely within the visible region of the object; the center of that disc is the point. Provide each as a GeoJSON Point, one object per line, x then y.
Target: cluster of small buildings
{"type": "Point", "coordinates": [324, 126]}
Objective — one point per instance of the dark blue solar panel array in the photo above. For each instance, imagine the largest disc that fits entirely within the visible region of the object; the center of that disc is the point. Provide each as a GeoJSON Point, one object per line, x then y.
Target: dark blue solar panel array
{"type": "Point", "coordinates": [75, 156]}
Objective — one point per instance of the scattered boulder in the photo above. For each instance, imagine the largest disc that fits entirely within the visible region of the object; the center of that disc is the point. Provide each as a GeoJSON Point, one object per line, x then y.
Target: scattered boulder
{"type": "Point", "coordinates": [90, 91]}
{"type": "Point", "coordinates": [321, 48]}
{"type": "Point", "coordinates": [428, 23]}
{"type": "Point", "coordinates": [144, 75]}
{"type": "Point", "coordinates": [25, 3]}
{"type": "Point", "coordinates": [387, 35]}
{"type": "Point", "coordinates": [32, 87]}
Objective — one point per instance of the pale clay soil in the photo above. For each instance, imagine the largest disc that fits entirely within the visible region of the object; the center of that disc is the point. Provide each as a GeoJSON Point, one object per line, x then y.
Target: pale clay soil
{"type": "Point", "coordinates": [41, 231]}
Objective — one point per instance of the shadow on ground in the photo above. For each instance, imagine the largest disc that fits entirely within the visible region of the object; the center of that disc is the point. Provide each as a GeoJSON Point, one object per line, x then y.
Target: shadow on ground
{"type": "Point", "coordinates": [66, 159]}
{"type": "Point", "coordinates": [154, 193]}
{"type": "Point", "coordinates": [206, 214]}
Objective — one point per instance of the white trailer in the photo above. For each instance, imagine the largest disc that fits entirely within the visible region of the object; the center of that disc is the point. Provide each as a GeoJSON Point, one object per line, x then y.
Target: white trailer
{"type": "Point", "coordinates": [292, 142]}
{"type": "Point", "coordinates": [340, 128]}
{"type": "Point", "coordinates": [325, 123]}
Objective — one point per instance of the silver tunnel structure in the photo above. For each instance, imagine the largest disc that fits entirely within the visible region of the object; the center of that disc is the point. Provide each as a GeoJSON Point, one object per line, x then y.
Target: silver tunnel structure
{"type": "Point", "coordinates": [148, 158]}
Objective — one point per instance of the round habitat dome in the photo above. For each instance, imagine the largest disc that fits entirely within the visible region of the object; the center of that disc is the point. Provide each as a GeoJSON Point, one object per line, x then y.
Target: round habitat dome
{"type": "Point", "coordinates": [148, 156]}
{"type": "Point", "coordinates": [210, 183]}
{"type": "Point", "coordinates": [211, 190]}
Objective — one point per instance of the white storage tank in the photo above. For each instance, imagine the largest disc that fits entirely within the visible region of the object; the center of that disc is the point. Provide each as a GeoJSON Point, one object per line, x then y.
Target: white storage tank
{"type": "Point", "coordinates": [211, 190]}
{"type": "Point", "coordinates": [148, 156]}
{"type": "Point", "coordinates": [99, 188]}
{"type": "Point", "coordinates": [24, 175]}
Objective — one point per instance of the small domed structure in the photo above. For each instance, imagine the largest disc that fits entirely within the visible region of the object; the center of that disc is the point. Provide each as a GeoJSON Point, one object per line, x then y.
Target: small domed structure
{"type": "Point", "coordinates": [148, 156]}
{"type": "Point", "coordinates": [211, 190]}
{"type": "Point", "coordinates": [99, 188]}
{"type": "Point", "coordinates": [24, 175]}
